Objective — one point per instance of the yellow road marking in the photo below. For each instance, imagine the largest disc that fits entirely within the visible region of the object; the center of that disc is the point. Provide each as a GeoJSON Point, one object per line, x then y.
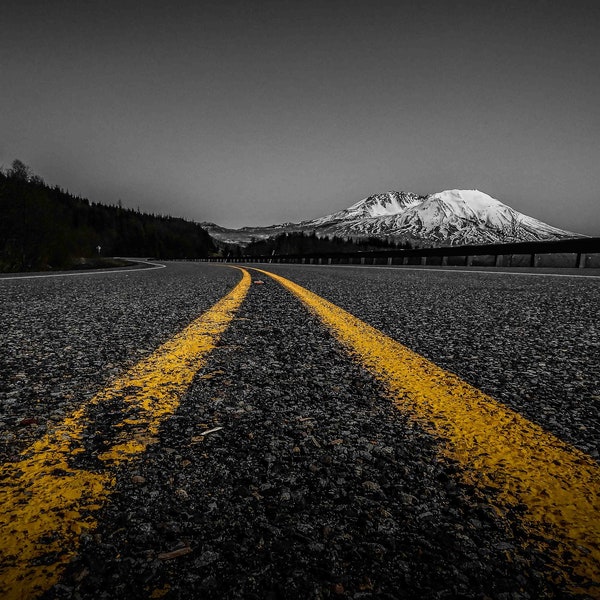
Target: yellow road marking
{"type": "Point", "coordinates": [556, 485]}
{"type": "Point", "coordinates": [46, 503]}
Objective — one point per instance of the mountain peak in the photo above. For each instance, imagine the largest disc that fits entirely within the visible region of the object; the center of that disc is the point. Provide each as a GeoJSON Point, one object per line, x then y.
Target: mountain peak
{"type": "Point", "coordinates": [389, 203]}
{"type": "Point", "coordinates": [452, 217]}
{"type": "Point", "coordinates": [470, 196]}
{"type": "Point", "coordinates": [378, 205]}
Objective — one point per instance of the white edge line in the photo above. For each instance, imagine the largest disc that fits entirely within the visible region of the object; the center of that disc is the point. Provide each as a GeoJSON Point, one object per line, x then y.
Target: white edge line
{"type": "Point", "coordinates": [403, 268]}
{"type": "Point", "coordinates": [80, 273]}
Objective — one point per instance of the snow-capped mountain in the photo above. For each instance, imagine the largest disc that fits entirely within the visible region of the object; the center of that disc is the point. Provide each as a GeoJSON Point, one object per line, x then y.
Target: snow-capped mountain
{"type": "Point", "coordinates": [451, 217]}
{"type": "Point", "coordinates": [380, 205]}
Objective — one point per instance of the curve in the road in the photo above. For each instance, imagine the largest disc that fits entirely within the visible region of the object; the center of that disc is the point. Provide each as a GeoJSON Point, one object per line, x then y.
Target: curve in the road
{"type": "Point", "coordinates": [529, 469]}
{"type": "Point", "coordinates": [46, 502]}
{"type": "Point", "coordinates": [152, 267]}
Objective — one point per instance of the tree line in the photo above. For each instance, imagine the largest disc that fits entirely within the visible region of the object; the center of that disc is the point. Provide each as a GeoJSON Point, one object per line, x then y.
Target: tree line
{"type": "Point", "coordinates": [309, 243]}
{"type": "Point", "coordinates": [45, 227]}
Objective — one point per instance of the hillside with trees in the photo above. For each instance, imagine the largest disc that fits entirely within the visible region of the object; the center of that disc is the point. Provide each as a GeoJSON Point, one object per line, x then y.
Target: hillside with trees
{"type": "Point", "coordinates": [43, 227]}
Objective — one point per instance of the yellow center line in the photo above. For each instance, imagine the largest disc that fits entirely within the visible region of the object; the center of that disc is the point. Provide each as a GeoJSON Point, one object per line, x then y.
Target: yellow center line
{"type": "Point", "coordinates": [46, 503]}
{"type": "Point", "coordinates": [556, 486]}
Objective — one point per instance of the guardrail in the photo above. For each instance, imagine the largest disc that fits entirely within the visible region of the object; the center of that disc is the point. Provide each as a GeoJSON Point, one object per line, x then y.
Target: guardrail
{"type": "Point", "coordinates": [577, 252]}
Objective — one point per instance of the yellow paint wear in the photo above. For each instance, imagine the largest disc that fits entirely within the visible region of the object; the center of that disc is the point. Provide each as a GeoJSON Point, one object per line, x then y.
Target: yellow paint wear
{"type": "Point", "coordinates": [557, 485]}
{"type": "Point", "coordinates": [46, 503]}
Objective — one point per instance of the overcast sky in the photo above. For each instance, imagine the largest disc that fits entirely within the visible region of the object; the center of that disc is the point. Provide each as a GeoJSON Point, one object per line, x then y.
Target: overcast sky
{"type": "Point", "coordinates": [257, 112]}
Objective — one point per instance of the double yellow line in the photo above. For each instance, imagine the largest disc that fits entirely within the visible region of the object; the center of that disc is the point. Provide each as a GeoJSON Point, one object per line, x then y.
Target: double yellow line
{"type": "Point", "coordinates": [45, 502]}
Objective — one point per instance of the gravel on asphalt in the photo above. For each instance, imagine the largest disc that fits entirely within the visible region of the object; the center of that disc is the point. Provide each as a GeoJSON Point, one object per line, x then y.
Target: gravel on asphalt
{"type": "Point", "coordinates": [286, 473]}
{"type": "Point", "coordinates": [64, 338]}
{"type": "Point", "coordinates": [530, 342]}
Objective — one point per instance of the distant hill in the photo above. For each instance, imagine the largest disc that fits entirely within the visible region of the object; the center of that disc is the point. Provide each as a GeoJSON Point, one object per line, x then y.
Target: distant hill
{"type": "Point", "coordinates": [451, 217]}
{"type": "Point", "coordinates": [44, 227]}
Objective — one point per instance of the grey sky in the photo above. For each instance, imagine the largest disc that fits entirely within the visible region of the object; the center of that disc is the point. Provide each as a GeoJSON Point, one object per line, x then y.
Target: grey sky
{"type": "Point", "coordinates": [247, 113]}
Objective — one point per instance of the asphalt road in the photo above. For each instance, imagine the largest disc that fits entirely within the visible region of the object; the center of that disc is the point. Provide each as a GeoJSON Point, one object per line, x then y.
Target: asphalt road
{"type": "Point", "coordinates": [63, 338]}
{"type": "Point", "coordinates": [315, 486]}
{"type": "Point", "coordinates": [532, 342]}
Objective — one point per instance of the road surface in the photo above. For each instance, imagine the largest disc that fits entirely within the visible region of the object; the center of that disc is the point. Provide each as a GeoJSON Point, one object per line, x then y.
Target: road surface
{"type": "Point", "coordinates": [260, 454]}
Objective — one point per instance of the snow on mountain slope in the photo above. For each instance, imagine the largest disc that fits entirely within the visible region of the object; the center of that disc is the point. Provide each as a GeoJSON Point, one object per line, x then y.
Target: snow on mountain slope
{"type": "Point", "coordinates": [449, 217]}
{"type": "Point", "coordinates": [379, 205]}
